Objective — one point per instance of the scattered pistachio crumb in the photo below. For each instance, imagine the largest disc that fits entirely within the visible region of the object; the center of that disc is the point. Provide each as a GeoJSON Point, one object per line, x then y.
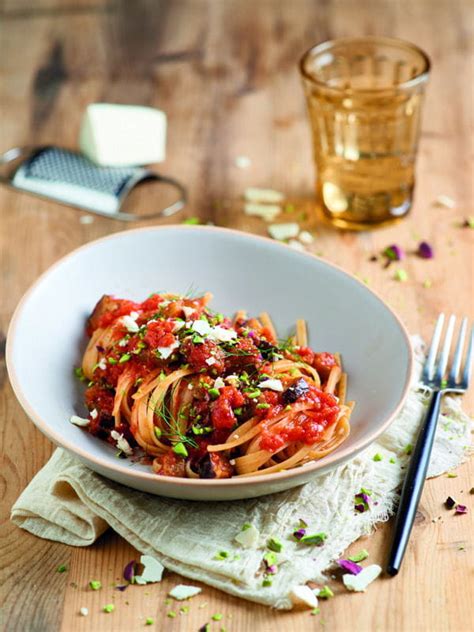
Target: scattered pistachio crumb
{"type": "Point", "coordinates": [171, 614]}
{"type": "Point", "coordinates": [168, 601]}
{"type": "Point", "coordinates": [184, 609]}
{"type": "Point", "coordinates": [216, 617]}
{"type": "Point", "coordinates": [401, 275]}
{"type": "Point", "coordinates": [109, 607]}
{"type": "Point", "coordinates": [451, 475]}
{"type": "Point", "coordinates": [315, 611]}
{"type": "Point", "coordinates": [408, 449]}
{"type": "Point", "coordinates": [325, 593]}
{"type": "Point", "coordinates": [267, 582]}
{"type": "Point", "coordinates": [149, 621]}
{"type": "Point", "coordinates": [95, 584]}
{"type": "Point", "coordinates": [62, 568]}
{"type": "Point", "coordinates": [363, 554]}
{"type": "Point", "coordinates": [203, 605]}
{"type": "Point", "coordinates": [377, 457]}
{"type": "Point", "coordinates": [392, 460]}
{"type": "Point", "coordinates": [275, 544]}
{"type": "Point", "coordinates": [221, 555]}
{"type": "Point", "coordinates": [461, 548]}
{"type": "Point", "coordinates": [427, 283]}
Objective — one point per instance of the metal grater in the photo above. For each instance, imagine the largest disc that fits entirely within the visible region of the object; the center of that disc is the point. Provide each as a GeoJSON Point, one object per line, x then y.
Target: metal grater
{"type": "Point", "coordinates": [70, 178]}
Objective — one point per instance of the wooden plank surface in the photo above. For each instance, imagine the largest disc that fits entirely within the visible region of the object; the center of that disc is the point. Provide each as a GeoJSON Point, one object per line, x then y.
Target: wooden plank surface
{"type": "Point", "coordinates": [225, 73]}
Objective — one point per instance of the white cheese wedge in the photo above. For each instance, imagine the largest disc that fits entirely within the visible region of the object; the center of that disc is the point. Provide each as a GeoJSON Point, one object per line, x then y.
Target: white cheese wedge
{"type": "Point", "coordinates": [272, 384]}
{"type": "Point", "coordinates": [152, 570]}
{"type": "Point", "coordinates": [221, 334]}
{"type": "Point", "coordinates": [182, 592]}
{"type": "Point", "coordinates": [122, 443]}
{"type": "Point", "coordinates": [284, 231]}
{"type": "Point", "coordinates": [248, 537]}
{"type": "Point", "coordinates": [201, 327]}
{"type": "Point", "coordinates": [254, 194]}
{"type": "Point", "coordinates": [79, 421]}
{"type": "Point", "coordinates": [303, 597]}
{"type": "Point", "coordinates": [123, 135]}
{"type": "Point", "coordinates": [188, 311]}
{"type": "Point", "coordinates": [359, 583]}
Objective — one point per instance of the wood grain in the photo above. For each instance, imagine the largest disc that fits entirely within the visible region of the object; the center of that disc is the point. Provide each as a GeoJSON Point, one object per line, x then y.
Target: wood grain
{"type": "Point", "coordinates": [225, 73]}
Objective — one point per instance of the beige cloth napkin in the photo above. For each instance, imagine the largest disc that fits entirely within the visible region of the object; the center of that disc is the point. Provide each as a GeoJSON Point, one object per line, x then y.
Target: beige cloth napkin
{"type": "Point", "coordinates": [69, 503]}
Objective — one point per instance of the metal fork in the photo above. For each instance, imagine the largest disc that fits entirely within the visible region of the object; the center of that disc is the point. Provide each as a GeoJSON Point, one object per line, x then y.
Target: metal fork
{"type": "Point", "coordinates": [433, 377]}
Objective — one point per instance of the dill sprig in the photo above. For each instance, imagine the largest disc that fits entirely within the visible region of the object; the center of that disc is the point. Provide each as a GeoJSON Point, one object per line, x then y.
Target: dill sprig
{"type": "Point", "coordinates": [163, 412]}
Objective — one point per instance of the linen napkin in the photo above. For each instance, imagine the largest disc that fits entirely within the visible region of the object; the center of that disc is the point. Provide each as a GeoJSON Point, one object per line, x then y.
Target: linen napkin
{"type": "Point", "coordinates": [69, 503]}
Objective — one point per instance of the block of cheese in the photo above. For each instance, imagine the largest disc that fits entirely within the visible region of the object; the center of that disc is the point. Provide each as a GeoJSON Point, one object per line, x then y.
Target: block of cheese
{"type": "Point", "coordinates": [123, 135]}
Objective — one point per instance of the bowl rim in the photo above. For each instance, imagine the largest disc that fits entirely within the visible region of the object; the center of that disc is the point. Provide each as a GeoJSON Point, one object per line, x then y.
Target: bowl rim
{"type": "Point", "coordinates": [312, 467]}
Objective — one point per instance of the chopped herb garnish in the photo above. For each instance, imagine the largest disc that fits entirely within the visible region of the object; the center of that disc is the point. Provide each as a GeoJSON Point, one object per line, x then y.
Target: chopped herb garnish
{"type": "Point", "coordinates": [246, 526]}
{"type": "Point", "coordinates": [62, 568]}
{"type": "Point", "coordinates": [270, 558]}
{"type": "Point", "coordinates": [95, 584]}
{"type": "Point", "coordinates": [275, 544]}
{"type": "Point", "coordinates": [377, 457]}
{"type": "Point", "coordinates": [316, 538]}
{"type": "Point", "coordinates": [325, 593]}
{"type": "Point", "coordinates": [237, 411]}
{"type": "Point", "coordinates": [110, 607]}
{"type": "Point", "coordinates": [360, 556]}
{"type": "Point", "coordinates": [392, 460]}
{"type": "Point", "coordinates": [253, 394]}
{"type": "Point", "coordinates": [79, 373]}
{"type": "Point", "coordinates": [401, 275]}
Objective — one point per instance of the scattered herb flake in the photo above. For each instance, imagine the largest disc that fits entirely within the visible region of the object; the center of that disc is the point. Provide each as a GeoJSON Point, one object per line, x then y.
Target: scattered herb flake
{"type": "Point", "coordinates": [171, 614]}
{"type": "Point", "coordinates": [392, 460]}
{"type": "Point", "coordinates": [315, 611]}
{"type": "Point", "coordinates": [267, 582]}
{"type": "Point", "coordinates": [184, 609]}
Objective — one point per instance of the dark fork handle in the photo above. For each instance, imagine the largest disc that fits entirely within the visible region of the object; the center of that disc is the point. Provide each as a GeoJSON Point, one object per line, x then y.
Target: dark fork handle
{"type": "Point", "coordinates": [413, 485]}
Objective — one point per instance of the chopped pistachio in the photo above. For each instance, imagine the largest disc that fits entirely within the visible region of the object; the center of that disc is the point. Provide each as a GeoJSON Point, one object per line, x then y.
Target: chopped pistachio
{"type": "Point", "coordinates": [401, 275]}
{"type": "Point", "coordinates": [451, 475]}
{"type": "Point", "coordinates": [427, 283]}
{"type": "Point", "coordinates": [180, 449]}
{"type": "Point", "coordinates": [408, 448]}
{"type": "Point", "coordinates": [325, 593]}
{"type": "Point", "coordinates": [392, 460]}
{"type": "Point", "coordinates": [377, 457]}
{"type": "Point", "coordinates": [62, 568]}
{"type": "Point", "coordinates": [171, 614]}
{"type": "Point", "coordinates": [95, 584]}
{"type": "Point", "coordinates": [216, 617]}
{"type": "Point", "coordinates": [275, 544]}
{"type": "Point", "coordinates": [149, 621]}
{"type": "Point", "coordinates": [315, 611]}
{"type": "Point", "coordinates": [363, 554]}
{"type": "Point", "coordinates": [110, 607]}
{"type": "Point", "coordinates": [184, 609]}
{"type": "Point", "coordinates": [315, 538]}
{"type": "Point", "coordinates": [267, 582]}
{"type": "Point", "coordinates": [221, 555]}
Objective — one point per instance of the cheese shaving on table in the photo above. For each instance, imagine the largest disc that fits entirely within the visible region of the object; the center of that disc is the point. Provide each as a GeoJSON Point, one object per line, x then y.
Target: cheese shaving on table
{"type": "Point", "coordinates": [267, 212]}
{"type": "Point", "coordinates": [284, 231]}
{"type": "Point", "coordinates": [303, 597]}
{"type": "Point", "coordinates": [254, 194]}
{"type": "Point", "coordinates": [248, 537]}
{"type": "Point", "coordinates": [152, 571]}
{"type": "Point", "coordinates": [359, 583]}
{"type": "Point", "coordinates": [182, 592]}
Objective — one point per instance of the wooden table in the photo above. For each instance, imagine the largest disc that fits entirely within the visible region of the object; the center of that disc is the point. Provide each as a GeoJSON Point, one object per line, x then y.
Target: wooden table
{"type": "Point", "coordinates": [225, 74]}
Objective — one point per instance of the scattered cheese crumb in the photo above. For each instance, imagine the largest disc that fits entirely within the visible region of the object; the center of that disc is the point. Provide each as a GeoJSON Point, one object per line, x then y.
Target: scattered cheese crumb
{"type": "Point", "coordinates": [210, 361]}
{"type": "Point", "coordinates": [102, 364]}
{"type": "Point", "coordinates": [303, 597]}
{"type": "Point", "coordinates": [187, 311]}
{"type": "Point", "coordinates": [219, 383]}
{"type": "Point", "coordinates": [79, 421]}
{"type": "Point", "coordinates": [272, 384]}
{"type": "Point", "coordinates": [359, 583]}
{"type": "Point", "coordinates": [221, 334]}
{"type": "Point", "coordinates": [94, 414]}
{"type": "Point", "coordinates": [130, 325]}
{"type": "Point", "coordinates": [284, 231]}
{"type": "Point", "coordinates": [182, 592]}
{"type": "Point", "coordinates": [446, 201]}
{"type": "Point", "coordinates": [306, 237]}
{"type": "Point", "coordinates": [296, 245]}
{"type": "Point", "coordinates": [122, 443]}
{"type": "Point", "coordinates": [165, 352]}
{"type": "Point", "coordinates": [242, 162]}
{"type": "Point", "coordinates": [86, 219]}
{"type": "Point", "coordinates": [254, 194]}
{"type": "Point", "coordinates": [84, 612]}
{"type": "Point", "coordinates": [152, 571]}
{"type": "Point", "coordinates": [202, 327]}
{"type": "Point", "coordinates": [268, 212]}
{"type": "Point", "coordinates": [248, 537]}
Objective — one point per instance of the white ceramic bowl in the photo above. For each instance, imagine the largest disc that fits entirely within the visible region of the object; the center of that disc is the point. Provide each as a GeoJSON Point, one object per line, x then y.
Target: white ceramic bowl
{"type": "Point", "coordinates": [46, 338]}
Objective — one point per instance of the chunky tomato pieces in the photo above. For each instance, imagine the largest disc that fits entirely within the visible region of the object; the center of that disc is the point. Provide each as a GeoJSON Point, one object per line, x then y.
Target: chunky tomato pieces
{"type": "Point", "coordinates": [222, 414]}
{"type": "Point", "coordinates": [169, 464]}
{"type": "Point", "coordinates": [203, 355]}
{"type": "Point", "coordinates": [323, 363]}
{"type": "Point", "coordinates": [159, 334]}
{"type": "Point", "coordinates": [306, 426]}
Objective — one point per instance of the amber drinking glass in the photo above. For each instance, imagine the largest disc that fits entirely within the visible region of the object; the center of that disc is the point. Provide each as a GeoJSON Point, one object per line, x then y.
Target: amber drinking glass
{"type": "Point", "coordinates": [364, 98]}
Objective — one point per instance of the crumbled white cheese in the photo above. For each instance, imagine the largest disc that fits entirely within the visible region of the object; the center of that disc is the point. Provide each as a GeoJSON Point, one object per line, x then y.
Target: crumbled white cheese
{"type": "Point", "coordinates": [79, 421]}
{"type": "Point", "coordinates": [84, 612]}
{"type": "Point", "coordinates": [210, 361]}
{"type": "Point", "coordinates": [182, 592]}
{"type": "Point", "coordinates": [134, 315]}
{"type": "Point", "coordinates": [86, 219]}
{"type": "Point", "coordinates": [219, 383]}
{"type": "Point", "coordinates": [152, 570]}
{"type": "Point", "coordinates": [303, 597]}
{"type": "Point", "coordinates": [232, 379]}
{"type": "Point", "coordinates": [178, 325]}
{"type": "Point", "coordinates": [94, 413]}
{"type": "Point", "coordinates": [296, 245]}
{"type": "Point", "coordinates": [284, 231]}
{"type": "Point", "coordinates": [221, 334]}
{"type": "Point", "coordinates": [102, 364]}
{"type": "Point", "coordinates": [306, 237]}
{"type": "Point", "coordinates": [188, 311]}
{"type": "Point", "coordinates": [446, 201]}
{"type": "Point", "coordinates": [190, 387]}
{"type": "Point", "coordinates": [268, 212]}
{"type": "Point", "coordinates": [202, 327]}
{"type": "Point", "coordinates": [359, 582]}
{"type": "Point", "coordinates": [165, 352]}
{"type": "Point", "coordinates": [242, 162]}
{"type": "Point", "coordinates": [249, 537]}
{"type": "Point", "coordinates": [122, 443]}
{"type": "Point", "coordinates": [130, 325]}
{"type": "Point", "coordinates": [123, 342]}
{"type": "Point", "coordinates": [272, 384]}
{"type": "Point", "coordinates": [254, 194]}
